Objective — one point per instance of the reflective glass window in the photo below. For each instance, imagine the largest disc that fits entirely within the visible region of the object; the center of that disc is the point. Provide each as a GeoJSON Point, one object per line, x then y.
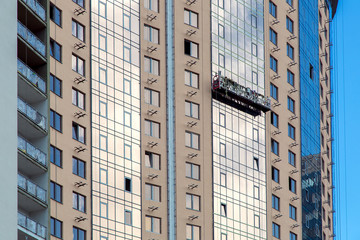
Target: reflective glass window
{"type": "Point", "coordinates": [55, 156]}
{"type": "Point", "coordinates": [190, 18]}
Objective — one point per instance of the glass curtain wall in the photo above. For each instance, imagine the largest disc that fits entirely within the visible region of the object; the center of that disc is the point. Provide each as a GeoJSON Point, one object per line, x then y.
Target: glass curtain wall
{"type": "Point", "coordinates": [115, 86]}
{"type": "Point", "coordinates": [239, 162]}
{"type": "Point", "coordinates": [310, 119]}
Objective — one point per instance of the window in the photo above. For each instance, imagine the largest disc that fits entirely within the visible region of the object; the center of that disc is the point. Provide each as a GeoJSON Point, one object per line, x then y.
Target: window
{"type": "Point", "coordinates": [223, 179]}
{"type": "Point", "coordinates": [55, 50]}
{"type": "Point", "coordinates": [311, 72]}
{"type": "Point", "coordinates": [55, 192]}
{"type": "Point", "coordinates": [254, 49]}
{"type": "Point", "coordinates": [152, 160]}
{"type": "Point", "coordinates": [276, 230]}
{"type": "Point", "coordinates": [55, 156]}
{"type": "Point", "coordinates": [221, 3]}
{"type": "Point", "coordinates": [56, 227]}
{"type": "Point", "coordinates": [223, 236]}
{"type": "Point", "coordinates": [78, 65]}
{"type": "Point", "coordinates": [222, 150]}
{"type": "Point", "coordinates": [221, 60]}
{"type": "Point", "coordinates": [221, 31]}
{"type": "Point", "coordinates": [190, 18]}
{"type": "Point", "coordinates": [274, 91]}
{"type": "Point", "coordinates": [291, 105]}
{"type": "Point", "coordinates": [274, 119]}
{"type": "Point", "coordinates": [292, 185]}
{"type": "Point", "coordinates": [78, 98]}
{"type": "Point", "coordinates": [292, 212]}
{"type": "Point", "coordinates": [128, 184]}
{"type": "Point", "coordinates": [152, 192]}
{"type": "Point", "coordinates": [274, 147]}
{"type": "Point", "coordinates": [151, 34]}
{"type": "Point", "coordinates": [192, 140]}
{"type": "Point", "coordinates": [275, 174]}
{"type": "Point", "coordinates": [152, 97]}
{"type": "Point", "coordinates": [293, 236]}
{"type": "Point", "coordinates": [191, 79]}
{"type": "Point", "coordinates": [192, 171]}
{"type": "Point", "coordinates": [290, 51]}
{"type": "Point", "coordinates": [275, 202]}
{"type": "Point", "coordinates": [290, 2]}
{"type": "Point", "coordinates": [192, 232]}
{"type": "Point", "coordinates": [79, 202]}
{"type": "Point", "coordinates": [126, 22]}
{"type": "Point", "coordinates": [128, 218]}
{"type": "Point", "coordinates": [79, 2]}
{"type": "Point", "coordinates": [55, 14]}
{"type": "Point", "coordinates": [254, 21]}
{"type": "Point", "coordinates": [191, 48]}
{"type": "Point", "coordinates": [256, 163]}
{"type": "Point", "coordinates": [78, 167]}
{"type": "Point", "coordinates": [290, 77]}
{"type": "Point", "coordinates": [78, 30]}
{"type": "Point", "coordinates": [152, 224]}
{"type": "Point", "coordinates": [191, 109]}
{"type": "Point", "coordinates": [291, 158]}
{"type": "Point", "coordinates": [222, 119]}
{"type": "Point", "coordinates": [291, 131]}
{"type": "Point", "coordinates": [151, 65]}
{"type": "Point", "coordinates": [79, 234]}
{"type": "Point", "coordinates": [192, 202]}
{"type": "Point", "coordinates": [273, 64]}
{"type": "Point", "coordinates": [55, 85]}
{"type": "Point", "coordinates": [254, 77]}
{"type": "Point", "coordinates": [152, 5]}
{"type": "Point", "coordinates": [152, 129]}
{"type": "Point", "coordinates": [272, 9]}
{"type": "Point", "coordinates": [256, 221]}
{"type": "Point", "coordinates": [289, 24]}
{"type": "Point", "coordinates": [273, 36]}
{"type": "Point", "coordinates": [78, 132]}
{"type": "Point", "coordinates": [256, 192]}
{"type": "Point", "coordinates": [55, 120]}
{"type": "Point", "coordinates": [223, 209]}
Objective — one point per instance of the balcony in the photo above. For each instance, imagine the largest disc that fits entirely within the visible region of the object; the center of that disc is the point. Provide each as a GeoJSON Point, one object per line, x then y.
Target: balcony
{"type": "Point", "coordinates": [31, 86]}
{"type": "Point", "coordinates": [31, 123]}
{"type": "Point", "coordinates": [30, 229]}
{"type": "Point", "coordinates": [31, 160]}
{"type": "Point", "coordinates": [30, 47]}
{"type": "Point", "coordinates": [36, 8]}
{"type": "Point", "coordinates": [32, 189]}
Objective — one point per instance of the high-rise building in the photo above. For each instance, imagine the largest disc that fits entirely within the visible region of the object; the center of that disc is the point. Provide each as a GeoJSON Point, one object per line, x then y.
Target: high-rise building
{"type": "Point", "coordinates": [161, 119]}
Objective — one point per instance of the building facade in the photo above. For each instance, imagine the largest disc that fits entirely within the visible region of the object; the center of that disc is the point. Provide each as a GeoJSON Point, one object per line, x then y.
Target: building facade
{"type": "Point", "coordinates": [152, 119]}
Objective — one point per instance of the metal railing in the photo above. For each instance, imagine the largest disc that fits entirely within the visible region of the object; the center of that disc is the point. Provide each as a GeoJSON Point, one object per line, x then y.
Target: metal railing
{"type": "Point", "coordinates": [30, 75]}
{"type": "Point", "coordinates": [37, 8]}
{"type": "Point", "coordinates": [31, 113]}
{"type": "Point", "coordinates": [33, 40]}
{"type": "Point", "coordinates": [32, 151]}
{"type": "Point", "coordinates": [31, 188]}
{"type": "Point", "coordinates": [31, 225]}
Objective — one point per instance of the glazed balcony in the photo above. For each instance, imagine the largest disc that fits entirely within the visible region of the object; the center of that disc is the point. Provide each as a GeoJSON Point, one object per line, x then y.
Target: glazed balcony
{"type": "Point", "coordinates": [36, 8]}
{"type": "Point", "coordinates": [31, 123]}
{"type": "Point", "coordinates": [31, 189]}
{"type": "Point", "coordinates": [28, 42]}
{"type": "Point", "coordinates": [30, 229]}
{"type": "Point", "coordinates": [31, 160]}
{"type": "Point", "coordinates": [31, 85]}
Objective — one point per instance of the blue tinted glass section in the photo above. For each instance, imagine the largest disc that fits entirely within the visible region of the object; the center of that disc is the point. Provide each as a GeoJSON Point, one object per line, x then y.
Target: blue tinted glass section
{"type": "Point", "coordinates": [310, 118]}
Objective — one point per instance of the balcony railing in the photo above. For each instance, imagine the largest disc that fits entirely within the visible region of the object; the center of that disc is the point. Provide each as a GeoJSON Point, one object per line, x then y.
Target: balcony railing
{"type": "Point", "coordinates": [31, 151]}
{"type": "Point", "coordinates": [36, 7]}
{"type": "Point", "coordinates": [31, 225]}
{"type": "Point", "coordinates": [30, 75]}
{"type": "Point", "coordinates": [33, 40]}
{"type": "Point", "coordinates": [31, 188]}
{"type": "Point", "coordinates": [31, 113]}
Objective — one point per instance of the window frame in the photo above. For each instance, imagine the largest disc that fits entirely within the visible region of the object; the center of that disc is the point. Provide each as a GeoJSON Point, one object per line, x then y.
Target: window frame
{"type": "Point", "coordinates": [276, 230]}
{"type": "Point", "coordinates": [192, 134]}
{"type": "Point", "coordinates": [78, 127]}
{"type": "Point", "coordinates": [151, 32]}
{"type": "Point", "coordinates": [155, 192]}
{"type": "Point", "coordinates": [291, 131]}
{"type": "Point", "coordinates": [150, 6]}
{"type": "Point", "coordinates": [76, 161]}
{"type": "Point", "coordinates": [53, 12]}
{"type": "Point", "coordinates": [77, 2]}
{"type": "Point", "coordinates": [290, 51]}
{"type": "Point", "coordinates": [77, 198]}
{"type": "Point", "coordinates": [55, 119]}
{"type": "Point", "coordinates": [152, 218]}
{"type": "Point", "coordinates": [274, 90]}
{"type": "Point", "coordinates": [291, 158]}
{"type": "Point", "coordinates": [191, 79]}
{"type": "Point", "coordinates": [275, 174]}
{"type": "Point", "coordinates": [53, 156]}
{"type": "Point", "coordinates": [275, 202]}
{"type": "Point", "coordinates": [77, 59]}
{"type": "Point", "coordinates": [193, 198]}
{"type": "Point", "coordinates": [150, 156]}
{"type": "Point", "coordinates": [54, 223]}
{"type": "Point", "coordinates": [194, 109]}
{"type": "Point", "coordinates": [191, 46]}
{"type": "Point", "coordinates": [291, 104]}
{"type": "Point", "coordinates": [292, 212]}
{"type": "Point", "coordinates": [151, 131]}
{"type": "Point", "coordinates": [54, 193]}
{"type": "Point", "coordinates": [292, 185]}
{"type": "Point", "coordinates": [272, 9]}
{"type": "Point", "coordinates": [151, 65]}
{"type": "Point", "coordinates": [290, 25]}
{"type": "Point", "coordinates": [54, 48]}
{"type": "Point", "coordinates": [78, 94]}
{"type": "Point", "coordinates": [290, 77]}
{"type": "Point", "coordinates": [55, 85]}
{"type": "Point", "coordinates": [273, 36]}
{"type": "Point", "coordinates": [189, 20]}
{"type": "Point", "coordinates": [273, 64]}
{"type": "Point", "coordinates": [193, 168]}
{"type": "Point", "coordinates": [77, 24]}
{"type": "Point", "coordinates": [274, 119]}
{"type": "Point", "coordinates": [151, 99]}
{"type": "Point", "coordinates": [77, 231]}
{"type": "Point", "coordinates": [274, 144]}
